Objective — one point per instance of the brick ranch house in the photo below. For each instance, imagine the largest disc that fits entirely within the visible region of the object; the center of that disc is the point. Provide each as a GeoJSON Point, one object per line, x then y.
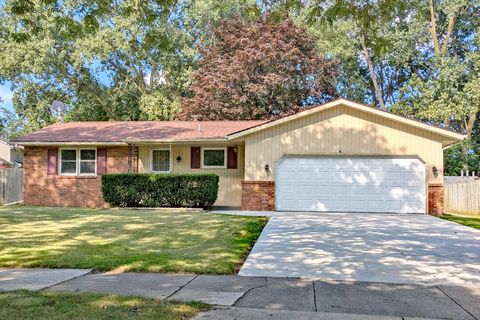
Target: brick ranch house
{"type": "Point", "coordinates": [340, 156]}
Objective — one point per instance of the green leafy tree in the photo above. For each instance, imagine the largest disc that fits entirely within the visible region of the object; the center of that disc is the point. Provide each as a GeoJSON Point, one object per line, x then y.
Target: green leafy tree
{"type": "Point", "coordinates": [94, 56]}
{"type": "Point", "coordinates": [419, 57]}
{"type": "Point", "coordinates": [371, 39]}
{"type": "Point", "coordinates": [443, 91]}
{"type": "Point", "coordinates": [118, 60]}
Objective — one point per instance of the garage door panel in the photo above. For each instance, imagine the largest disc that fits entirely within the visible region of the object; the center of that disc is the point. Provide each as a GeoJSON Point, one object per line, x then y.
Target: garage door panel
{"type": "Point", "coordinates": [358, 197]}
{"type": "Point", "coordinates": [375, 205]}
{"type": "Point", "coordinates": [350, 184]}
{"type": "Point", "coordinates": [354, 190]}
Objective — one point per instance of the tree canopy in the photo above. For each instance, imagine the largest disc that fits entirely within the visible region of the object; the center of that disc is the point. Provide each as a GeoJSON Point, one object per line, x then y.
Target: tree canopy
{"type": "Point", "coordinates": [257, 71]}
{"type": "Point", "coordinates": [136, 60]}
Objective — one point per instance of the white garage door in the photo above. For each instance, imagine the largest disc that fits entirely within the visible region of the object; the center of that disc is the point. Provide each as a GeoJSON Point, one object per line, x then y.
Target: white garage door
{"type": "Point", "coordinates": [350, 184]}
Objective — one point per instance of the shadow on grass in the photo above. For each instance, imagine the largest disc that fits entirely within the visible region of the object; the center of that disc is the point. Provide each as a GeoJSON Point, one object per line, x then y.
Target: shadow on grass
{"type": "Point", "coordinates": [73, 306]}
{"type": "Point", "coordinates": [125, 240]}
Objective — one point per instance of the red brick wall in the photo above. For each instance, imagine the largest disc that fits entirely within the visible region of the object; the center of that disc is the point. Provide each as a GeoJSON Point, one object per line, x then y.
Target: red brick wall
{"type": "Point", "coordinates": [41, 189]}
{"type": "Point", "coordinates": [258, 195]}
{"type": "Point", "coordinates": [435, 199]}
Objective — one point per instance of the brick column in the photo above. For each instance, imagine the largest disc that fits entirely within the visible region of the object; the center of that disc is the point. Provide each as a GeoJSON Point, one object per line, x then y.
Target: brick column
{"type": "Point", "coordinates": [258, 195]}
{"type": "Point", "coordinates": [435, 199]}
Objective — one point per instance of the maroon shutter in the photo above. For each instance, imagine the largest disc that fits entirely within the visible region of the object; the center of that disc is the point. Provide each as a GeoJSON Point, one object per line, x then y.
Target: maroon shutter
{"type": "Point", "coordinates": [232, 159]}
{"type": "Point", "coordinates": [52, 160]}
{"type": "Point", "coordinates": [195, 157]}
{"type": "Point", "coordinates": [101, 161]}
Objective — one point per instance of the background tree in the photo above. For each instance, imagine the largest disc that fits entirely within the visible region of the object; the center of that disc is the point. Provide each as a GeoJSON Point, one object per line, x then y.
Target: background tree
{"type": "Point", "coordinates": [423, 55]}
{"type": "Point", "coordinates": [107, 59]}
{"type": "Point", "coordinates": [132, 60]}
{"type": "Point", "coordinates": [259, 70]}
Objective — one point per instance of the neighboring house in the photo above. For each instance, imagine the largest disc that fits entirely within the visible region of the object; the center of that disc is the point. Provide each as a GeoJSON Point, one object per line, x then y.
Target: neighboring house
{"type": "Point", "coordinates": [4, 164]}
{"type": "Point", "coordinates": [340, 156]}
{"type": "Point", "coordinates": [10, 155]}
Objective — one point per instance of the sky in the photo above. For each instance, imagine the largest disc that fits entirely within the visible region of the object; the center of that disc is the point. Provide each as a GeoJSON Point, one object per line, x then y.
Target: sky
{"type": "Point", "coordinates": [5, 92]}
{"type": "Point", "coordinates": [6, 95]}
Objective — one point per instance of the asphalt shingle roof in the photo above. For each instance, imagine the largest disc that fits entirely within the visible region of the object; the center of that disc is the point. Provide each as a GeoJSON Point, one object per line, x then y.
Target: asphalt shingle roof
{"type": "Point", "coordinates": [118, 131]}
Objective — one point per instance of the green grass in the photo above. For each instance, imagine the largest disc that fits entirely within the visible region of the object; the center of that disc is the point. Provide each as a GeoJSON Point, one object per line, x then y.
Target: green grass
{"type": "Point", "coordinates": [473, 222]}
{"type": "Point", "coordinates": [16, 305]}
{"type": "Point", "coordinates": [125, 240]}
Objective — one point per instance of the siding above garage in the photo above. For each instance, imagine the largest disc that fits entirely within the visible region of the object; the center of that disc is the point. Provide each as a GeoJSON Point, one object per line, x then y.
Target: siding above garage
{"type": "Point", "coordinates": [340, 131]}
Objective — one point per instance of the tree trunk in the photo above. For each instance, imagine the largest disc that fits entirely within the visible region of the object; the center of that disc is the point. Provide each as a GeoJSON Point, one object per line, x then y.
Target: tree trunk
{"type": "Point", "coordinates": [373, 77]}
{"type": "Point", "coordinates": [447, 122]}
{"type": "Point", "coordinates": [451, 24]}
{"type": "Point", "coordinates": [470, 124]}
{"type": "Point", "coordinates": [433, 28]}
{"type": "Point", "coordinates": [436, 43]}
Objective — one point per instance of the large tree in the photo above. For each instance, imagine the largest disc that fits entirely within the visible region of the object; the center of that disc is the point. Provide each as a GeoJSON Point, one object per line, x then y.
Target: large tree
{"type": "Point", "coordinates": [106, 59]}
{"type": "Point", "coordinates": [259, 70]}
{"type": "Point", "coordinates": [420, 57]}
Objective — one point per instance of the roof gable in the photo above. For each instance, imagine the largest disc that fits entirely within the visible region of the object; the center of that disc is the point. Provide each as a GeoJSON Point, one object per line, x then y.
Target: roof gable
{"type": "Point", "coordinates": [450, 135]}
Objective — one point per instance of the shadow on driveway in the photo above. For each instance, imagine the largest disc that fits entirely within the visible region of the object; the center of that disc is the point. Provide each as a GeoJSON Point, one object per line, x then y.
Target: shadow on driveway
{"type": "Point", "coordinates": [389, 248]}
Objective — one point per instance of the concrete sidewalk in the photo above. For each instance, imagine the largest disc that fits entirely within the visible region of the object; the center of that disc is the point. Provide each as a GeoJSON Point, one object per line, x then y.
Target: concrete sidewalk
{"type": "Point", "coordinates": [262, 314]}
{"type": "Point", "coordinates": [36, 279]}
{"type": "Point", "coordinates": [289, 298]}
{"type": "Point", "coordinates": [237, 297]}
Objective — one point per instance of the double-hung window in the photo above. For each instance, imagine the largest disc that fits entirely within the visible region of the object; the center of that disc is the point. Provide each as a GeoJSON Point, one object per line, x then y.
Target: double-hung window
{"type": "Point", "coordinates": [161, 161]}
{"type": "Point", "coordinates": [68, 162]}
{"type": "Point", "coordinates": [88, 162]}
{"type": "Point", "coordinates": [214, 158]}
{"type": "Point", "coordinates": [78, 162]}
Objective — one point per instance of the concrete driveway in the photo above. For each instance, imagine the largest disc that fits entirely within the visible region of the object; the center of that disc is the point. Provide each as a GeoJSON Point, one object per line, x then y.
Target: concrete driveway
{"type": "Point", "coordinates": [390, 248]}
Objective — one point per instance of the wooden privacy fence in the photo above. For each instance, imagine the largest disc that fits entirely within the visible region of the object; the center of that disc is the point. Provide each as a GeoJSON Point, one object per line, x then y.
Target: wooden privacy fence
{"type": "Point", "coordinates": [463, 198]}
{"type": "Point", "coordinates": [11, 185]}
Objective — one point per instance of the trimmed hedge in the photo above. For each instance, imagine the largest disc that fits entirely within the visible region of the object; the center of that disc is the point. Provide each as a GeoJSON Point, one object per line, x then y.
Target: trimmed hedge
{"type": "Point", "coordinates": [160, 190]}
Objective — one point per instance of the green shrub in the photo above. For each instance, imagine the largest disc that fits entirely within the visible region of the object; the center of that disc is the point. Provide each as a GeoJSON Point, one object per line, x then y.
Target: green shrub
{"type": "Point", "coordinates": [160, 190]}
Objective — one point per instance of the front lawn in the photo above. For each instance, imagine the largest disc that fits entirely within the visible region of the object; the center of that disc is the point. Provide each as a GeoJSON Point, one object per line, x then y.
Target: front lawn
{"type": "Point", "coordinates": [473, 222]}
{"type": "Point", "coordinates": [125, 240]}
{"type": "Point", "coordinates": [76, 306]}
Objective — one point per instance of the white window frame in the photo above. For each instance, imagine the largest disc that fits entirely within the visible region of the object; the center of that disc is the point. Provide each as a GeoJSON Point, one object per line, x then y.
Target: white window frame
{"type": "Point", "coordinates": [77, 162]}
{"type": "Point", "coordinates": [60, 162]}
{"type": "Point", "coordinates": [169, 160]}
{"type": "Point", "coordinates": [203, 166]}
{"type": "Point", "coordinates": [80, 161]}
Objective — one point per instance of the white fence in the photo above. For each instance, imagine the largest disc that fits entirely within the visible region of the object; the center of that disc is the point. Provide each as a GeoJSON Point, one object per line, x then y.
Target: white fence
{"type": "Point", "coordinates": [11, 185]}
{"type": "Point", "coordinates": [463, 198]}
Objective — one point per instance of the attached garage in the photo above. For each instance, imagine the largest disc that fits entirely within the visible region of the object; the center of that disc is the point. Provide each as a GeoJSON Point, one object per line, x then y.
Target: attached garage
{"type": "Point", "coordinates": [350, 184]}
{"type": "Point", "coordinates": [344, 156]}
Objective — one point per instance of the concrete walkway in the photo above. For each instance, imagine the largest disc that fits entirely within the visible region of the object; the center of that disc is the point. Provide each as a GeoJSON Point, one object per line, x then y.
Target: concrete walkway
{"type": "Point", "coordinates": [36, 279]}
{"type": "Point", "coordinates": [237, 297]}
{"type": "Point", "coordinates": [285, 297]}
{"type": "Point", "coordinates": [262, 314]}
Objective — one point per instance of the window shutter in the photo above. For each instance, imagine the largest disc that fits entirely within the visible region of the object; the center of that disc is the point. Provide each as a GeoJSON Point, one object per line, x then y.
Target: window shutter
{"type": "Point", "coordinates": [232, 158]}
{"type": "Point", "coordinates": [195, 157]}
{"type": "Point", "coordinates": [52, 161]}
{"type": "Point", "coordinates": [101, 161]}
